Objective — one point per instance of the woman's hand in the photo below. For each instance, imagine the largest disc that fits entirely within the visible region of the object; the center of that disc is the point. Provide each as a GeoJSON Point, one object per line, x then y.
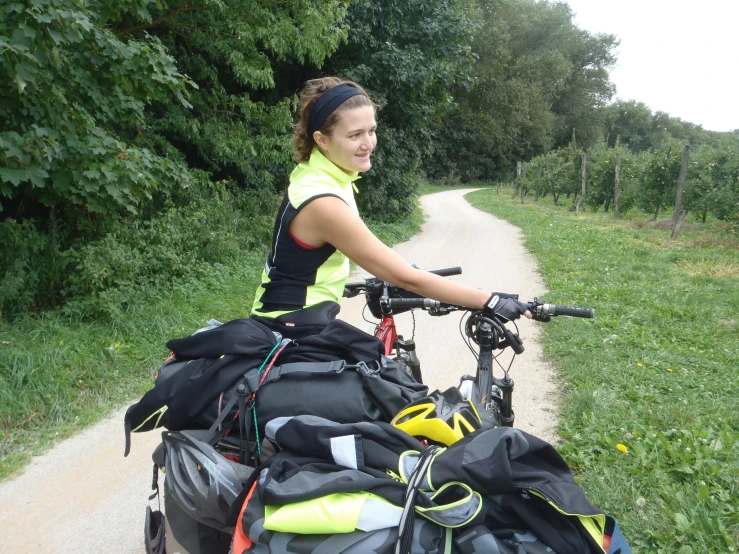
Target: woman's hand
{"type": "Point", "coordinates": [506, 306]}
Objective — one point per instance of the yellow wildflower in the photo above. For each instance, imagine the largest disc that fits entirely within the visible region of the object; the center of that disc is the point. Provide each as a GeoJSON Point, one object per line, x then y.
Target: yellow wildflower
{"type": "Point", "coordinates": [669, 370]}
{"type": "Point", "coordinates": [117, 346]}
{"type": "Point", "coordinates": [639, 364]}
{"type": "Point", "coordinates": [622, 448]}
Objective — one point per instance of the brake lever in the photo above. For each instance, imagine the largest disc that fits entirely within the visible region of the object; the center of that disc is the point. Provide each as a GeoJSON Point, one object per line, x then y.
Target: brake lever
{"type": "Point", "coordinates": [513, 341]}
{"type": "Point", "coordinates": [537, 313]}
{"type": "Point", "coordinates": [440, 311]}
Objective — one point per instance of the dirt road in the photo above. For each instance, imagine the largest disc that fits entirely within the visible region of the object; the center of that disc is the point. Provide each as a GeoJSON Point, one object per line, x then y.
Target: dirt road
{"type": "Point", "coordinates": [84, 497]}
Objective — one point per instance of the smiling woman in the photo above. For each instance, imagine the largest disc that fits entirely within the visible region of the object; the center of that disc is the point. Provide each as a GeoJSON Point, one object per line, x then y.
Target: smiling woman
{"type": "Point", "coordinates": [318, 228]}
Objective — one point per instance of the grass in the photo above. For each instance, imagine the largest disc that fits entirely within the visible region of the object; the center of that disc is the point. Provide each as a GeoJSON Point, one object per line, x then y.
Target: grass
{"type": "Point", "coordinates": [58, 375]}
{"type": "Point", "coordinates": [656, 371]}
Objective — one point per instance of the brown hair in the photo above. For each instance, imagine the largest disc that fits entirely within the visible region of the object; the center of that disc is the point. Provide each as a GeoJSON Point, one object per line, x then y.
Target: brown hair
{"type": "Point", "coordinates": [303, 143]}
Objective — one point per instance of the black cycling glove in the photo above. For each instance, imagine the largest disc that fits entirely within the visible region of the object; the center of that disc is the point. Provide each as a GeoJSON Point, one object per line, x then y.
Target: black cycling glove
{"type": "Point", "coordinates": [505, 306]}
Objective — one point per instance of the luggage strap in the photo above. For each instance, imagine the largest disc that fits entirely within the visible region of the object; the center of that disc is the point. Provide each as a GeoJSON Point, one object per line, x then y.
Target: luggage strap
{"type": "Point", "coordinates": [334, 367]}
{"type": "Point", "coordinates": [405, 526]}
{"type": "Point", "coordinates": [277, 372]}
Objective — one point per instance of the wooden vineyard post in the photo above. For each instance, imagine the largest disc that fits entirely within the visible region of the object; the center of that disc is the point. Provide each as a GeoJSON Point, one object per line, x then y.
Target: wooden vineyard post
{"type": "Point", "coordinates": [582, 195]}
{"type": "Point", "coordinates": [549, 181]}
{"type": "Point", "coordinates": [681, 185]}
{"type": "Point", "coordinates": [523, 185]}
{"type": "Point", "coordinates": [518, 180]}
{"type": "Point", "coordinates": [678, 224]}
{"type": "Point", "coordinates": [538, 183]}
{"type": "Point", "coordinates": [617, 186]}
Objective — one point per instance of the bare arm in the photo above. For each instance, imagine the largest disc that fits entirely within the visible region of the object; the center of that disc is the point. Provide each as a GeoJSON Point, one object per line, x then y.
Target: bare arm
{"type": "Point", "coordinates": [330, 220]}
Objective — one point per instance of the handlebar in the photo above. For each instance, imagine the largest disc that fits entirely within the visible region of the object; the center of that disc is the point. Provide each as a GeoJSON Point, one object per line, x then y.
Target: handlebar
{"type": "Point", "coordinates": [544, 312]}
{"type": "Point", "coordinates": [423, 303]}
{"type": "Point", "coordinates": [384, 298]}
{"type": "Point", "coordinates": [448, 272]}
{"type": "Point", "coordinates": [373, 284]}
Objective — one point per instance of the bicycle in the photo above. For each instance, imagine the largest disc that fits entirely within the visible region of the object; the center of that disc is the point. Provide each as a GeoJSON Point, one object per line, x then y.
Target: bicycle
{"type": "Point", "coordinates": [492, 395]}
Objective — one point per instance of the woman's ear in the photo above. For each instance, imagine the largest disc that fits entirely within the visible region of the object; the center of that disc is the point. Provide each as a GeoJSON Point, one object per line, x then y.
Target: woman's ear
{"type": "Point", "coordinates": [320, 139]}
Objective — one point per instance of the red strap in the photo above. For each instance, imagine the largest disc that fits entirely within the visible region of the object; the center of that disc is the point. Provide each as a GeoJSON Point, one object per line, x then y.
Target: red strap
{"type": "Point", "coordinates": [301, 243]}
{"type": "Point", "coordinates": [242, 543]}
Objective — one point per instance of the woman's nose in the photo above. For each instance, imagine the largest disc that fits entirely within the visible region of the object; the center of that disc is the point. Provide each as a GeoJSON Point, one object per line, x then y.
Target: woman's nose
{"type": "Point", "coordinates": [367, 143]}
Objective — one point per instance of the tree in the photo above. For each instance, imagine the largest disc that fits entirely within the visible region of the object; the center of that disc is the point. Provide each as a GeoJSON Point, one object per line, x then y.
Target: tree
{"type": "Point", "coordinates": [536, 78]}
{"type": "Point", "coordinates": [660, 177]}
{"type": "Point", "coordinates": [713, 182]}
{"type": "Point", "coordinates": [73, 98]}
{"type": "Point", "coordinates": [409, 54]}
{"type": "Point", "coordinates": [602, 165]}
{"type": "Point", "coordinates": [629, 123]}
{"type": "Point", "coordinates": [238, 127]}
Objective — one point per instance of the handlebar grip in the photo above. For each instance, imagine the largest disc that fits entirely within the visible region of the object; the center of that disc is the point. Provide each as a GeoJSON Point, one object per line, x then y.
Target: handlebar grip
{"type": "Point", "coordinates": [572, 311]}
{"type": "Point", "coordinates": [426, 303]}
{"type": "Point", "coordinates": [448, 272]}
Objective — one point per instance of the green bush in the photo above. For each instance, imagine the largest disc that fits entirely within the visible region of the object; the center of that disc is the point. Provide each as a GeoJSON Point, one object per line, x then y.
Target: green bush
{"type": "Point", "coordinates": [30, 266]}
{"type": "Point", "coordinates": [140, 259]}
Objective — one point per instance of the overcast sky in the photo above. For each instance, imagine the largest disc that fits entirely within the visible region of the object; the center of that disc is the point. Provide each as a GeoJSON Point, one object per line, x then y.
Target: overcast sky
{"type": "Point", "coordinates": [676, 56]}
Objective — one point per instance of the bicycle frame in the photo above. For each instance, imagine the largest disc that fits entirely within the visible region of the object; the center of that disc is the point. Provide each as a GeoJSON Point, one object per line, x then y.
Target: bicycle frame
{"type": "Point", "coordinates": [387, 333]}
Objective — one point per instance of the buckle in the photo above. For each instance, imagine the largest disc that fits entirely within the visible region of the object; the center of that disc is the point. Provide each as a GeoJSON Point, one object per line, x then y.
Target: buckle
{"type": "Point", "coordinates": [367, 370]}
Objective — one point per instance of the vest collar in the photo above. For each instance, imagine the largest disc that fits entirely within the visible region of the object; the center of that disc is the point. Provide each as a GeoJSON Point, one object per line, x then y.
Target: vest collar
{"type": "Point", "coordinates": [319, 161]}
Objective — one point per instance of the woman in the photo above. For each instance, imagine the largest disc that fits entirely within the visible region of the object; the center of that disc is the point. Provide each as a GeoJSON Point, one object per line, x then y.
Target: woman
{"type": "Point", "coordinates": [318, 228]}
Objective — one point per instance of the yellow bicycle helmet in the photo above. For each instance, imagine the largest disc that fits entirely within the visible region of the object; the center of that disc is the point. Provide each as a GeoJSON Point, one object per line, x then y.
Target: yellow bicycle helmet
{"type": "Point", "coordinates": [442, 417]}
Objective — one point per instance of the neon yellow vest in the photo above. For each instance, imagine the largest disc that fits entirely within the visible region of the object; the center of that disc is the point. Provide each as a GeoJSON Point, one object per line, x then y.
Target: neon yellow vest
{"type": "Point", "coordinates": [296, 276]}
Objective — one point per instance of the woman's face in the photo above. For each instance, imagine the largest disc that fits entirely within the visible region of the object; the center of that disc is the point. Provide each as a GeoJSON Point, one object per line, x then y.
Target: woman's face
{"type": "Point", "coordinates": [352, 140]}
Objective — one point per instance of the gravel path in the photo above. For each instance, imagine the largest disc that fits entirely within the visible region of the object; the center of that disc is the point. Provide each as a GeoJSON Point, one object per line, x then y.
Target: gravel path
{"type": "Point", "coordinates": [84, 497]}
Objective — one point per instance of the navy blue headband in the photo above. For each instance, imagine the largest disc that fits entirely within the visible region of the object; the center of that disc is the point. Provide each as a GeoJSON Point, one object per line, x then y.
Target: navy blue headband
{"type": "Point", "coordinates": [327, 104]}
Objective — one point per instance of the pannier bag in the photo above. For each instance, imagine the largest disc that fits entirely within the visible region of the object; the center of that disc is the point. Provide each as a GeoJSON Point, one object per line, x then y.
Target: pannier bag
{"type": "Point", "coordinates": [337, 391]}
{"type": "Point", "coordinates": [339, 374]}
{"type": "Point", "coordinates": [496, 490]}
{"type": "Point", "coordinates": [203, 366]}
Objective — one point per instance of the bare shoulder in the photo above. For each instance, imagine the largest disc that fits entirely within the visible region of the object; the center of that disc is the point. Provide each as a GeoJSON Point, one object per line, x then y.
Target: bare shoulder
{"type": "Point", "coordinates": [330, 211]}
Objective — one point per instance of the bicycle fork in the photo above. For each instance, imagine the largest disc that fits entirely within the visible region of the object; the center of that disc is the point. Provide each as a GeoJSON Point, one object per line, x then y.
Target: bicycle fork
{"type": "Point", "coordinates": [410, 357]}
{"type": "Point", "coordinates": [493, 394]}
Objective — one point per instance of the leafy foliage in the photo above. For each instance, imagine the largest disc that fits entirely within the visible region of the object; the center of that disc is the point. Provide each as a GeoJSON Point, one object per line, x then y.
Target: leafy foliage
{"type": "Point", "coordinates": [634, 125]}
{"type": "Point", "coordinates": [72, 96]}
{"type": "Point", "coordinates": [660, 177]}
{"type": "Point", "coordinates": [713, 182]}
{"type": "Point", "coordinates": [238, 125]}
{"type": "Point", "coordinates": [135, 262]}
{"type": "Point", "coordinates": [537, 78]}
{"type": "Point", "coordinates": [601, 177]}
{"type": "Point", "coordinates": [649, 179]}
{"type": "Point", "coordinates": [106, 136]}
{"type": "Point", "coordinates": [409, 54]}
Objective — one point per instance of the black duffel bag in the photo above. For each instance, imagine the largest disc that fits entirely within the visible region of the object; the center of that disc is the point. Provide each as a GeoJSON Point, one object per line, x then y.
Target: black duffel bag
{"type": "Point", "coordinates": [335, 390]}
{"type": "Point", "coordinates": [203, 366]}
{"type": "Point", "coordinates": [339, 374]}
